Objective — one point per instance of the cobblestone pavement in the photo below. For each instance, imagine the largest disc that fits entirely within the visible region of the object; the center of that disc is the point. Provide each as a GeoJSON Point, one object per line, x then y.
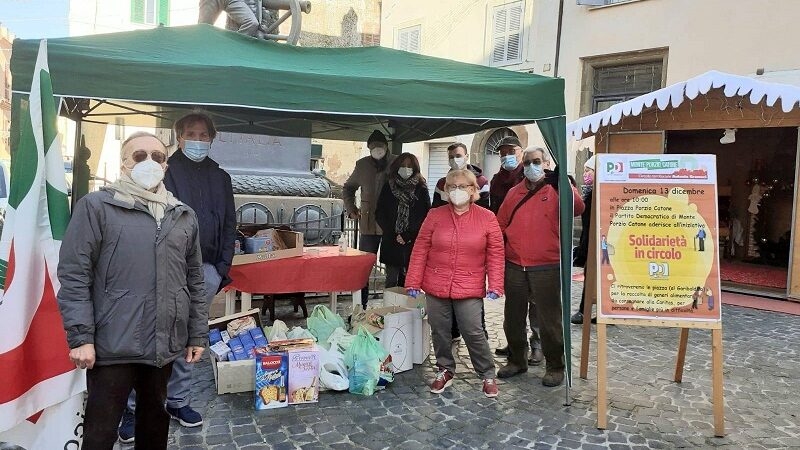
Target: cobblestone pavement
{"type": "Point", "coordinates": [647, 410]}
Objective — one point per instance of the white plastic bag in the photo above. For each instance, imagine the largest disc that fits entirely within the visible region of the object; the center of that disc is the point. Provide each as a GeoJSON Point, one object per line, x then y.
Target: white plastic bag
{"type": "Point", "coordinates": [340, 340]}
{"type": "Point", "coordinates": [299, 333]}
{"type": "Point", "coordinates": [332, 371]}
{"type": "Point", "coordinates": [277, 332]}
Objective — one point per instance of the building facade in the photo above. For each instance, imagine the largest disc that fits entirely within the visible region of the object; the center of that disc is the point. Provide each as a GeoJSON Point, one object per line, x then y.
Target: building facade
{"type": "Point", "coordinates": [607, 52]}
{"type": "Point", "coordinates": [6, 38]}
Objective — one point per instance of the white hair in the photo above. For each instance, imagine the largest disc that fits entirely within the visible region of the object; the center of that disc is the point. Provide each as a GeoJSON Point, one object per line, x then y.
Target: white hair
{"type": "Point", "coordinates": [545, 153]}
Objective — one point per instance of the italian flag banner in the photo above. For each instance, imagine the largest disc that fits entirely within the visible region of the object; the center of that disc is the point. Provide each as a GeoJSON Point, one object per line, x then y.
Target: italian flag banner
{"type": "Point", "coordinates": [41, 393]}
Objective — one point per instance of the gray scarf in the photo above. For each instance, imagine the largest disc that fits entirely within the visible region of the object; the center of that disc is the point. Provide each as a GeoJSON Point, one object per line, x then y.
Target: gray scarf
{"type": "Point", "coordinates": [404, 191]}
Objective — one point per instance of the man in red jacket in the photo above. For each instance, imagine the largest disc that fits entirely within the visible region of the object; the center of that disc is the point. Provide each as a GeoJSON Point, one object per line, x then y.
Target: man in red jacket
{"type": "Point", "coordinates": [532, 265]}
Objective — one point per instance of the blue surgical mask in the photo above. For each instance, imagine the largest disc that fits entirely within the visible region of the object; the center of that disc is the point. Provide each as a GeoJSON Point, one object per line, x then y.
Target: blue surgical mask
{"type": "Point", "coordinates": [509, 162]}
{"type": "Point", "coordinates": [196, 150]}
{"type": "Point", "coordinates": [534, 172]}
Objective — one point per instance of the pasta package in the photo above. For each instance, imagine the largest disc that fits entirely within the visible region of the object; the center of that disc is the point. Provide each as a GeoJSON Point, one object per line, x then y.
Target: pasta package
{"type": "Point", "coordinates": [238, 326]}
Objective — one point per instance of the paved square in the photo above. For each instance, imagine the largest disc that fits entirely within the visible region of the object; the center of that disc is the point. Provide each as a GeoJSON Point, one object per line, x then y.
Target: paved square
{"type": "Point", "coordinates": [647, 410]}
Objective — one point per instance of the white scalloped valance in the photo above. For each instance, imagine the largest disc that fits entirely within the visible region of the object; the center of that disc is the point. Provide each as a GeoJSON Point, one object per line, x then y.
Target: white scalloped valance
{"type": "Point", "coordinates": [734, 86]}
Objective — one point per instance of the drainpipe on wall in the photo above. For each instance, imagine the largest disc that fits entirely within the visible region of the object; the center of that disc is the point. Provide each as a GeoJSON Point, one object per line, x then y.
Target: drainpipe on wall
{"type": "Point", "coordinates": [558, 36]}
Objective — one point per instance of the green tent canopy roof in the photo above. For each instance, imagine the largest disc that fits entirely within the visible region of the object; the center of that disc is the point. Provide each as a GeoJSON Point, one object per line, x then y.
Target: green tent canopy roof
{"type": "Point", "coordinates": [151, 77]}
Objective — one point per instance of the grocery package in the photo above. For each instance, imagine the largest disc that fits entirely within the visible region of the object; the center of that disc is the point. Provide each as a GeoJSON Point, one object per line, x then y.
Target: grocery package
{"type": "Point", "coordinates": [291, 344]}
{"type": "Point", "coordinates": [214, 336]}
{"type": "Point", "coordinates": [272, 372]}
{"type": "Point", "coordinates": [220, 351]}
{"type": "Point", "coordinates": [258, 337]}
{"type": "Point", "coordinates": [237, 326]}
{"type": "Point", "coordinates": [363, 360]}
{"type": "Point", "coordinates": [238, 352]}
{"type": "Point", "coordinates": [322, 322]}
{"type": "Point", "coordinates": [225, 336]}
{"type": "Point", "coordinates": [303, 376]}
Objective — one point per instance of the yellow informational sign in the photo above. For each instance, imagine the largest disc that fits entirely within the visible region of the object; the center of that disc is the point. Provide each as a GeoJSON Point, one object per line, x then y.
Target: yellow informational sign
{"type": "Point", "coordinates": [657, 237]}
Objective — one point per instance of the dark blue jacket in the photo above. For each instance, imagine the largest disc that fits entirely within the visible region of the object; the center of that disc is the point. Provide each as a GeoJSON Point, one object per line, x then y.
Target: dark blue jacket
{"type": "Point", "coordinates": [206, 189]}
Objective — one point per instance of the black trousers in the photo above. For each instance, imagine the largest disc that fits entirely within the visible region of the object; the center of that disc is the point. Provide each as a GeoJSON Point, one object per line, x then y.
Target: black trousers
{"type": "Point", "coordinates": [368, 243]}
{"type": "Point", "coordinates": [108, 388]}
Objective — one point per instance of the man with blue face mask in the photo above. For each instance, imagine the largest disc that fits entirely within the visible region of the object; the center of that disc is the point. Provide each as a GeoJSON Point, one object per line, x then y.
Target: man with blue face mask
{"type": "Point", "coordinates": [197, 181]}
{"type": "Point", "coordinates": [529, 221]}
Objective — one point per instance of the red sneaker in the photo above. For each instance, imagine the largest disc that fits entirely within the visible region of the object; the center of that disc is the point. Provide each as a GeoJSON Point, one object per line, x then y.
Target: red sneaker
{"type": "Point", "coordinates": [443, 380]}
{"type": "Point", "coordinates": [490, 387]}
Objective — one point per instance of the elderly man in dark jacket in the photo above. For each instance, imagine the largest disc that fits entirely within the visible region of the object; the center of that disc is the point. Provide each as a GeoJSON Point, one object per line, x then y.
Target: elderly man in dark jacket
{"type": "Point", "coordinates": [200, 183]}
{"type": "Point", "coordinates": [132, 296]}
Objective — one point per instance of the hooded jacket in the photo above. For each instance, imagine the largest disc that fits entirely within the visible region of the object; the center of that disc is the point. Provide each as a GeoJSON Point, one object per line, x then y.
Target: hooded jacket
{"type": "Point", "coordinates": [206, 188]}
{"type": "Point", "coordinates": [132, 288]}
{"type": "Point", "coordinates": [454, 254]}
{"type": "Point", "coordinates": [369, 175]}
{"type": "Point", "coordinates": [483, 185]}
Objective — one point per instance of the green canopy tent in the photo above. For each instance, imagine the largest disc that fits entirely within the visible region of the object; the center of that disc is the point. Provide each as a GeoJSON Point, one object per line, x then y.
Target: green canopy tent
{"type": "Point", "coordinates": [152, 77]}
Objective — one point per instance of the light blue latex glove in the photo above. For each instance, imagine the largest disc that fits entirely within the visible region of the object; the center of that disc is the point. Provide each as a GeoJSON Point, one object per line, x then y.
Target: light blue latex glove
{"type": "Point", "coordinates": [492, 295]}
{"type": "Point", "coordinates": [413, 293]}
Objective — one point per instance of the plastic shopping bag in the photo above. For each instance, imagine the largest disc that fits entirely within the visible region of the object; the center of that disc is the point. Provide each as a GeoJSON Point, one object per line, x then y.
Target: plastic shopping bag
{"type": "Point", "coordinates": [277, 332]}
{"type": "Point", "coordinates": [340, 340]}
{"type": "Point", "coordinates": [363, 360]}
{"type": "Point", "coordinates": [299, 333]}
{"type": "Point", "coordinates": [332, 371]}
{"type": "Point", "coordinates": [322, 322]}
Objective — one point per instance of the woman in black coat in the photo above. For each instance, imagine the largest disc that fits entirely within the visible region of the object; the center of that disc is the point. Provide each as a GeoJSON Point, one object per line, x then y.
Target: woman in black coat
{"type": "Point", "coordinates": [402, 206]}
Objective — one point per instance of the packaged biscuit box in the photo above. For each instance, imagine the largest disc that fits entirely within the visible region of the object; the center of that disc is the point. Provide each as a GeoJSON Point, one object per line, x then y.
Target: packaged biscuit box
{"type": "Point", "coordinates": [303, 376]}
{"type": "Point", "coordinates": [272, 372]}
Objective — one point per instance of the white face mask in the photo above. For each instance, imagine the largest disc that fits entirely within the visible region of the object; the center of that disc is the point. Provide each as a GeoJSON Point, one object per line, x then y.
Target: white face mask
{"type": "Point", "coordinates": [509, 162]}
{"type": "Point", "coordinates": [378, 152]}
{"type": "Point", "coordinates": [405, 172]}
{"type": "Point", "coordinates": [534, 172]}
{"type": "Point", "coordinates": [458, 163]}
{"type": "Point", "coordinates": [147, 174]}
{"type": "Point", "coordinates": [458, 197]}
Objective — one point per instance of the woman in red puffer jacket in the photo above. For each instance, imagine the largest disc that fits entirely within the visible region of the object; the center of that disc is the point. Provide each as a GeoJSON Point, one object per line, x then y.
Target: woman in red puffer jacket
{"type": "Point", "coordinates": [457, 247]}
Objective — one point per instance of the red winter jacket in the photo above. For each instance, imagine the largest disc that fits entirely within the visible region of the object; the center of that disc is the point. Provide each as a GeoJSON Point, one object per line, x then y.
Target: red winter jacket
{"type": "Point", "coordinates": [532, 238]}
{"type": "Point", "coordinates": [453, 254]}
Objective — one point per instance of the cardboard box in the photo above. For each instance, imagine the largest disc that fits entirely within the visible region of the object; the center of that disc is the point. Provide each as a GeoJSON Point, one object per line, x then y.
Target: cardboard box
{"type": "Point", "coordinates": [422, 329]}
{"type": "Point", "coordinates": [271, 379]}
{"type": "Point", "coordinates": [304, 376]}
{"type": "Point", "coordinates": [294, 247]}
{"type": "Point", "coordinates": [397, 334]}
{"type": "Point", "coordinates": [234, 376]}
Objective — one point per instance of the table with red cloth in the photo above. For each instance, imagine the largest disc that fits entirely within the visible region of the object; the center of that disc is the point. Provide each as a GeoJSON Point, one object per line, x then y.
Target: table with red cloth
{"type": "Point", "coordinates": [320, 269]}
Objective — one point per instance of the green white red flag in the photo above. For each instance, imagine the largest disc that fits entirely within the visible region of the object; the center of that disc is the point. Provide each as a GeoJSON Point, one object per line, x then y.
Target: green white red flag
{"type": "Point", "coordinates": [41, 395]}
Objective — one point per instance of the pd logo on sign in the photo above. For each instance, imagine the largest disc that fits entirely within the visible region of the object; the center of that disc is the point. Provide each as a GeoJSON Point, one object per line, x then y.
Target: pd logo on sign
{"type": "Point", "coordinates": [615, 170]}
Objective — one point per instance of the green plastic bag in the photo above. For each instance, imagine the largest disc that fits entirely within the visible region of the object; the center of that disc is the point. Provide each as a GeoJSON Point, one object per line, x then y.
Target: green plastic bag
{"type": "Point", "coordinates": [321, 324]}
{"type": "Point", "coordinates": [363, 360]}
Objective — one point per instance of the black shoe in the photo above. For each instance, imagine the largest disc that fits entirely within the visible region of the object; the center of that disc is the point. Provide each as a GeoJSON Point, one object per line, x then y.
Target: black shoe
{"type": "Point", "coordinates": [576, 318]}
{"type": "Point", "coordinates": [501, 351]}
{"type": "Point", "coordinates": [509, 370]}
{"type": "Point", "coordinates": [126, 427]}
{"type": "Point", "coordinates": [536, 357]}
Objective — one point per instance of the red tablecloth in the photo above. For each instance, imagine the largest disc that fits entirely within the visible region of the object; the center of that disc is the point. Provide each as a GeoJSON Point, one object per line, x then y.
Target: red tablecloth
{"type": "Point", "coordinates": [320, 269]}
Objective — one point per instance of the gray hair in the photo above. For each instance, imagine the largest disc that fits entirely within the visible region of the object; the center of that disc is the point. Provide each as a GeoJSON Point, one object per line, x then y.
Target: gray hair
{"type": "Point", "coordinates": [545, 153]}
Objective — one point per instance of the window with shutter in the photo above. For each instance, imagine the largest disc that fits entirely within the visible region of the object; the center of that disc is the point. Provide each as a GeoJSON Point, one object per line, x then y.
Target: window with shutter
{"type": "Point", "coordinates": [507, 33]}
{"type": "Point", "coordinates": [163, 12]}
{"type": "Point", "coordinates": [409, 39]}
{"type": "Point", "coordinates": [137, 11]}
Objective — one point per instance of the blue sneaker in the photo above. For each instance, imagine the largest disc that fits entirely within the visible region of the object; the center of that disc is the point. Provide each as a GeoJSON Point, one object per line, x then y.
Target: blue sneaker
{"type": "Point", "coordinates": [126, 427]}
{"type": "Point", "coordinates": [186, 416]}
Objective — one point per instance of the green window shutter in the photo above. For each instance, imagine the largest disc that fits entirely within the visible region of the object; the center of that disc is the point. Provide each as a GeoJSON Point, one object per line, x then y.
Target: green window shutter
{"type": "Point", "coordinates": [137, 11]}
{"type": "Point", "coordinates": [163, 12]}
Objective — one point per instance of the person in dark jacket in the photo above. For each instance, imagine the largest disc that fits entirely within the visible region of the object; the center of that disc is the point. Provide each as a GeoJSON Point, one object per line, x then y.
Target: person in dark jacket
{"type": "Point", "coordinates": [402, 206]}
{"type": "Point", "coordinates": [199, 182]}
{"type": "Point", "coordinates": [132, 296]}
{"type": "Point", "coordinates": [582, 251]}
{"type": "Point", "coordinates": [457, 158]}
{"type": "Point", "coordinates": [510, 173]}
